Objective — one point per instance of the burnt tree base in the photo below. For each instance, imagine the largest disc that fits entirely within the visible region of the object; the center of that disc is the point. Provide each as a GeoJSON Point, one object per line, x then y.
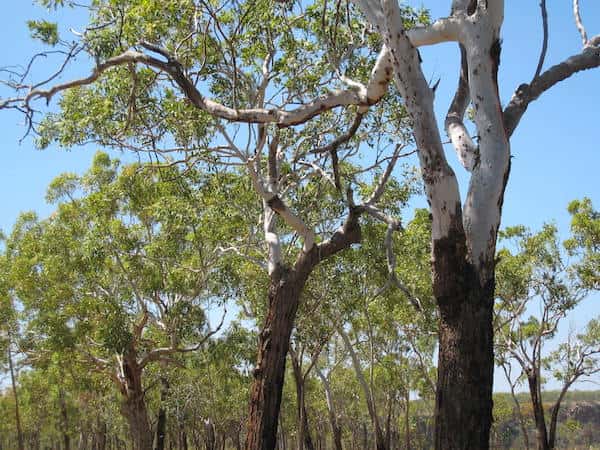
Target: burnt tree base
{"type": "Point", "coordinates": [463, 409]}
{"type": "Point", "coordinates": [284, 296]}
{"type": "Point", "coordinates": [463, 406]}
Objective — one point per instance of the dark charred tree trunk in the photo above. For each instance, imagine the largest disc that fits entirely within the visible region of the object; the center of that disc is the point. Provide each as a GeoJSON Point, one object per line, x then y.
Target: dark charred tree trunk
{"type": "Point", "coordinates": [284, 296]}
{"type": "Point", "coordinates": [13, 381]}
{"type": "Point", "coordinates": [64, 417]}
{"type": "Point", "coordinates": [554, 416]}
{"type": "Point", "coordinates": [463, 409]}
{"type": "Point", "coordinates": [304, 438]}
{"type": "Point", "coordinates": [183, 437]}
{"type": "Point", "coordinates": [285, 287]}
{"type": "Point", "coordinates": [541, 433]}
{"type": "Point", "coordinates": [388, 423]}
{"type": "Point", "coordinates": [133, 406]}
{"type": "Point", "coordinates": [161, 423]}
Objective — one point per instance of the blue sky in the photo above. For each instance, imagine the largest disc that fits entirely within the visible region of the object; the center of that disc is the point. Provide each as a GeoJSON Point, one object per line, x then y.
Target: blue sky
{"type": "Point", "coordinates": [556, 148]}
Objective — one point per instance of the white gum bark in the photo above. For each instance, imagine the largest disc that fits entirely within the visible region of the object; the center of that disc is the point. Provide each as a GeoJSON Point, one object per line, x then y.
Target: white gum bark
{"type": "Point", "coordinates": [440, 181]}
{"type": "Point", "coordinates": [476, 25]}
{"type": "Point", "coordinates": [482, 208]}
{"type": "Point", "coordinates": [274, 204]}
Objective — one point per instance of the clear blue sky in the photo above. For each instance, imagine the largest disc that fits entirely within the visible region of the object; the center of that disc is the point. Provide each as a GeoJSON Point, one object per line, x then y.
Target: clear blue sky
{"type": "Point", "coordinates": [556, 148]}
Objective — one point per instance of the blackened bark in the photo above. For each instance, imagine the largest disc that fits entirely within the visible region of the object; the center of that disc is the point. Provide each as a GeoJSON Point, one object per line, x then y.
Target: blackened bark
{"type": "Point", "coordinates": [463, 409]}
{"type": "Point", "coordinates": [541, 433]}
{"type": "Point", "coordinates": [99, 437]}
{"type": "Point", "coordinates": [183, 439]}
{"type": "Point", "coordinates": [285, 287]}
{"type": "Point", "coordinates": [64, 416]}
{"type": "Point", "coordinates": [337, 436]}
{"type": "Point", "coordinates": [388, 423]}
{"type": "Point", "coordinates": [161, 423]}
{"type": "Point", "coordinates": [555, 410]}
{"type": "Point", "coordinates": [284, 296]}
{"type": "Point", "coordinates": [133, 406]}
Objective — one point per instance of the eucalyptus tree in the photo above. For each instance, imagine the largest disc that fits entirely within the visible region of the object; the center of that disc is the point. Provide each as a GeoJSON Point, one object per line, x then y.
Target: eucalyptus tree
{"type": "Point", "coordinates": [118, 278]}
{"type": "Point", "coordinates": [536, 275]}
{"type": "Point", "coordinates": [354, 301]}
{"type": "Point", "coordinates": [156, 65]}
{"type": "Point", "coordinates": [585, 241]}
{"type": "Point", "coordinates": [8, 331]}
{"type": "Point", "coordinates": [205, 50]}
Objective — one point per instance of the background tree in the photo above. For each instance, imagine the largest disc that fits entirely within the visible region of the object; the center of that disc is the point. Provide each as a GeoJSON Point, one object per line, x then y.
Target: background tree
{"type": "Point", "coordinates": [8, 335]}
{"type": "Point", "coordinates": [463, 239]}
{"type": "Point", "coordinates": [538, 272]}
{"type": "Point", "coordinates": [118, 277]}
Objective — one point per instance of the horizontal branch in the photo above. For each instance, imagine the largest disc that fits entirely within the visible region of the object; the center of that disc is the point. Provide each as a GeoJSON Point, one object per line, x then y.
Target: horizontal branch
{"type": "Point", "coordinates": [370, 94]}
{"type": "Point", "coordinates": [442, 30]}
{"type": "Point", "coordinates": [589, 58]}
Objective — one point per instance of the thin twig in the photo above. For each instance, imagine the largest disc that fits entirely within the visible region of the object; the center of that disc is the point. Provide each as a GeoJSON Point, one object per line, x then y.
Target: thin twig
{"type": "Point", "coordinates": [545, 39]}
{"type": "Point", "coordinates": [579, 22]}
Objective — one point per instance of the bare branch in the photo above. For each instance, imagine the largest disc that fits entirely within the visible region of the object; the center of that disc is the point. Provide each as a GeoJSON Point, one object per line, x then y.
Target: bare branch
{"type": "Point", "coordinates": [393, 226]}
{"type": "Point", "coordinates": [442, 30]}
{"type": "Point", "coordinates": [335, 144]}
{"type": "Point", "coordinates": [466, 150]}
{"type": "Point", "coordinates": [579, 22]}
{"type": "Point", "coordinates": [237, 251]}
{"type": "Point", "coordinates": [372, 93]}
{"type": "Point", "coordinates": [544, 40]}
{"type": "Point", "coordinates": [380, 188]}
{"type": "Point", "coordinates": [589, 58]}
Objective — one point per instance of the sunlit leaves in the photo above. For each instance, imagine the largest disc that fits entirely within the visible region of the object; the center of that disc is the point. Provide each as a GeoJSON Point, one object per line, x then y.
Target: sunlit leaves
{"type": "Point", "coordinates": [585, 242]}
{"type": "Point", "coordinates": [45, 31]}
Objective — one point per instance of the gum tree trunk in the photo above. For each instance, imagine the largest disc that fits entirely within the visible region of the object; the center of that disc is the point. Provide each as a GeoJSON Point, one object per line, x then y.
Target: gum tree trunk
{"type": "Point", "coordinates": [64, 416]}
{"type": "Point", "coordinates": [285, 289]}
{"type": "Point", "coordinates": [133, 406]}
{"type": "Point", "coordinates": [161, 423]}
{"type": "Point", "coordinates": [284, 296]}
{"type": "Point", "coordinates": [541, 432]}
{"type": "Point", "coordinates": [463, 410]}
{"type": "Point", "coordinates": [336, 431]}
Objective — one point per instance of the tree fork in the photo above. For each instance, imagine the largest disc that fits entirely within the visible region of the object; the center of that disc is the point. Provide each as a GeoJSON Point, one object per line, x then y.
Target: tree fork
{"type": "Point", "coordinates": [285, 288]}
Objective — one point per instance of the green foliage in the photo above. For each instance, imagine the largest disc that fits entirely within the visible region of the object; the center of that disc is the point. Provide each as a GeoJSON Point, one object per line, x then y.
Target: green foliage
{"type": "Point", "coordinates": [585, 242]}
{"type": "Point", "coordinates": [45, 31]}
